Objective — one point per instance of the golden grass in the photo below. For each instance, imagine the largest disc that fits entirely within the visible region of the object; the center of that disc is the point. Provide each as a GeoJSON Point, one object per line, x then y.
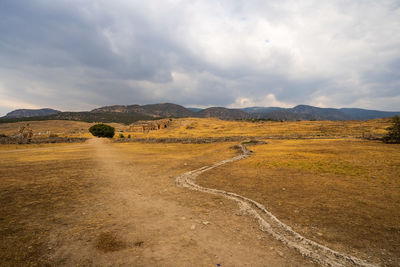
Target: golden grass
{"type": "Point", "coordinates": [342, 193]}
{"type": "Point", "coordinates": [210, 127]}
{"type": "Point", "coordinates": [195, 127]}
{"type": "Point", "coordinates": [62, 128]}
{"type": "Point", "coordinates": [8, 147]}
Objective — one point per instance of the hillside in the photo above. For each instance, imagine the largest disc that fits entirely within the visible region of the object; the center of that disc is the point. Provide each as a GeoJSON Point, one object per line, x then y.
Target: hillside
{"type": "Point", "coordinates": [305, 112]}
{"type": "Point", "coordinates": [365, 114]}
{"type": "Point", "coordinates": [131, 113]}
{"type": "Point", "coordinates": [125, 118]}
{"type": "Point", "coordinates": [24, 113]}
{"type": "Point", "coordinates": [223, 113]}
{"type": "Point", "coordinates": [153, 110]}
{"type": "Point", "coordinates": [300, 112]}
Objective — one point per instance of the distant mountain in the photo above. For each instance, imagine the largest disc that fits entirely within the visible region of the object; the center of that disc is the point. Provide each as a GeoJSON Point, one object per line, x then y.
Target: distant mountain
{"type": "Point", "coordinates": [153, 110]}
{"type": "Point", "coordinates": [305, 112]}
{"type": "Point", "coordinates": [107, 117]}
{"type": "Point", "coordinates": [261, 110]}
{"type": "Point", "coordinates": [300, 112]}
{"type": "Point", "coordinates": [365, 114]}
{"type": "Point", "coordinates": [195, 109]}
{"type": "Point", "coordinates": [223, 113]}
{"type": "Point", "coordinates": [131, 113]}
{"type": "Point", "coordinates": [176, 111]}
{"type": "Point", "coordinates": [24, 113]}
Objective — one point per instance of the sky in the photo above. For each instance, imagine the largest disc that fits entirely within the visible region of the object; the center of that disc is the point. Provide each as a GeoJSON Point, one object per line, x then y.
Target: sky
{"type": "Point", "coordinates": [78, 55]}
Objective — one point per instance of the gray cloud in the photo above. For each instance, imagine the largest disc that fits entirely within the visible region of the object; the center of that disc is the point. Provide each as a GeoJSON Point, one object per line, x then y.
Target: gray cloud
{"type": "Point", "coordinates": [76, 55]}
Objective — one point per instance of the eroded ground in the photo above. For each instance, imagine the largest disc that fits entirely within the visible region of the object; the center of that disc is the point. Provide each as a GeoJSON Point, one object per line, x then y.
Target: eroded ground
{"type": "Point", "coordinates": [116, 204]}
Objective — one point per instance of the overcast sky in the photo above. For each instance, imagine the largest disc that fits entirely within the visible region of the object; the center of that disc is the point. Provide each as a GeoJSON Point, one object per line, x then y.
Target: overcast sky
{"type": "Point", "coordinates": [78, 55]}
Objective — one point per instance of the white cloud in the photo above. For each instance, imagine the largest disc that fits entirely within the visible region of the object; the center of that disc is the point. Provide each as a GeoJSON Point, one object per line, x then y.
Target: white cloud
{"type": "Point", "coordinates": [268, 100]}
{"type": "Point", "coordinates": [78, 54]}
{"type": "Point", "coordinates": [7, 103]}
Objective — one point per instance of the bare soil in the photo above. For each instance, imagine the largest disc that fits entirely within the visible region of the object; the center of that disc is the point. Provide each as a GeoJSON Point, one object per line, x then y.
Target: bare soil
{"type": "Point", "coordinates": [105, 204]}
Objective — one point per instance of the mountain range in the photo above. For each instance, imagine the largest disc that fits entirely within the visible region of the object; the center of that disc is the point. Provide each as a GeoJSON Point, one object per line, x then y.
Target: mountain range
{"type": "Point", "coordinates": [131, 113]}
{"type": "Point", "coordinates": [21, 113]}
{"type": "Point", "coordinates": [300, 112]}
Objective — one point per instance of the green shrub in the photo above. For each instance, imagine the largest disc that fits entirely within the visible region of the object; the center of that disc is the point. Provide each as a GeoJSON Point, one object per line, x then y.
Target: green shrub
{"type": "Point", "coordinates": [102, 130]}
{"type": "Point", "coordinates": [393, 135]}
{"type": "Point", "coordinates": [121, 135]}
{"type": "Point", "coordinates": [129, 136]}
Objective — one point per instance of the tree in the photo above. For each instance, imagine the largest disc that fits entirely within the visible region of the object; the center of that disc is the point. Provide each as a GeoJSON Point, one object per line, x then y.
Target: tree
{"type": "Point", "coordinates": [102, 130]}
{"type": "Point", "coordinates": [393, 135]}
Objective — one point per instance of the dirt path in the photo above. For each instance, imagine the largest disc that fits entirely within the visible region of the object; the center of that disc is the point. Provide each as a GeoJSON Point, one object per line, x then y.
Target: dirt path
{"type": "Point", "coordinates": [107, 204]}
{"type": "Point", "coordinates": [270, 224]}
{"type": "Point", "coordinates": [175, 227]}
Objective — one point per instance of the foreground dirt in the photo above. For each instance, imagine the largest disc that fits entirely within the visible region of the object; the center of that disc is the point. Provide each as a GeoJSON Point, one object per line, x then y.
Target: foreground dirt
{"type": "Point", "coordinates": [117, 205]}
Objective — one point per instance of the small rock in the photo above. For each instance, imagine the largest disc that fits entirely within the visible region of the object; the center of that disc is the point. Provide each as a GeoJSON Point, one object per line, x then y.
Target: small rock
{"type": "Point", "coordinates": [183, 218]}
{"type": "Point", "coordinates": [185, 164]}
{"type": "Point", "coordinates": [206, 222]}
{"type": "Point", "coordinates": [193, 227]}
{"type": "Point", "coordinates": [280, 253]}
{"type": "Point", "coordinates": [283, 189]}
{"type": "Point", "coordinates": [320, 234]}
{"type": "Point", "coordinates": [271, 248]}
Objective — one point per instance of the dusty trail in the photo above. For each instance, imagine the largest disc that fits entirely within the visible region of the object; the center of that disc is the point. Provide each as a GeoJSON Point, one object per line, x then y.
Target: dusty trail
{"type": "Point", "coordinates": [270, 224]}
{"type": "Point", "coordinates": [175, 226]}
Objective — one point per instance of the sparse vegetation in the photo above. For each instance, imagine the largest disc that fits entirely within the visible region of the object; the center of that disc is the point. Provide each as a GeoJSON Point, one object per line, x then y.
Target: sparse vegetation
{"type": "Point", "coordinates": [330, 189]}
{"type": "Point", "coordinates": [90, 117]}
{"type": "Point", "coordinates": [393, 135]}
{"type": "Point", "coordinates": [102, 130]}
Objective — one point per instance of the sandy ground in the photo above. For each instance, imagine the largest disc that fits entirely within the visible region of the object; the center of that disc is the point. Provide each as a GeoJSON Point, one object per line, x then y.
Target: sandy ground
{"type": "Point", "coordinates": [134, 215]}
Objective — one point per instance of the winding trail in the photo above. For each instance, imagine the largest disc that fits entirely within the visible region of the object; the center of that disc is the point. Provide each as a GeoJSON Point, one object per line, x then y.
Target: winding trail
{"type": "Point", "coordinates": [270, 224]}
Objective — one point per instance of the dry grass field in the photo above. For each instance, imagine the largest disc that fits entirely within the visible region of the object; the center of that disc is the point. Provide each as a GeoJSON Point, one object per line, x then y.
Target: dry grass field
{"type": "Point", "coordinates": [301, 129]}
{"type": "Point", "coordinates": [62, 128]}
{"type": "Point", "coordinates": [198, 127]}
{"type": "Point", "coordinates": [342, 193]}
{"type": "Point", "coordinates": [101, 203]}
{"type": "Point", "coordinates": [105, 204]}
